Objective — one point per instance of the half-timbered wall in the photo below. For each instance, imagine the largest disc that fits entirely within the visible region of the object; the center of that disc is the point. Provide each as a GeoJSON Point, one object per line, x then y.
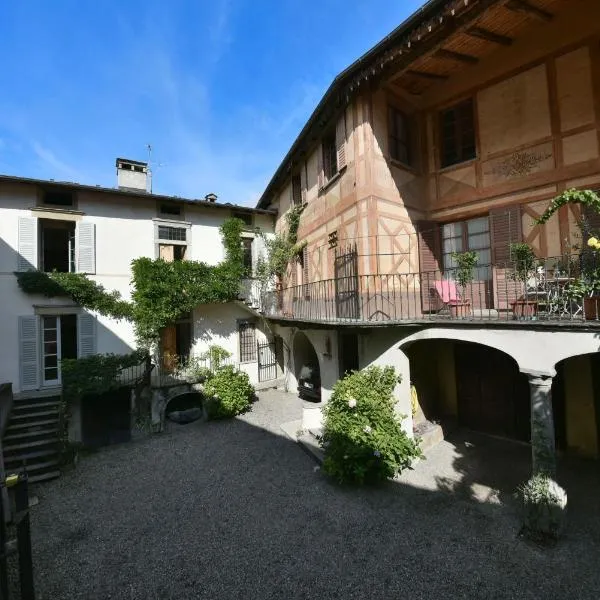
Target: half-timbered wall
{"type": "Point", "coordinates": [537, 127]}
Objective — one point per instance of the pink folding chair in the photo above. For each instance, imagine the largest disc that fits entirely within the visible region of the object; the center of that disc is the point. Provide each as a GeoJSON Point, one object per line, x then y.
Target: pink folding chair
{"type": "Point", "coordinates": [448, 294]}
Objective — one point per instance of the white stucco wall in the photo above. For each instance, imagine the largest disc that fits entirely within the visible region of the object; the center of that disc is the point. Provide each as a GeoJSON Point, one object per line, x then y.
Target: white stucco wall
{"type": "Point", "coordinates": [216, 324]}
{"type": "Point", "coordinates": [124, 230]}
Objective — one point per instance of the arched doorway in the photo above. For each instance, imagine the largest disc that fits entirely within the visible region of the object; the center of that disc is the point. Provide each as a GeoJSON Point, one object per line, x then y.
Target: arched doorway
{"type": "Point", "coordinates": [576, 404]}
{"type": "Point", "coordinates": [306, 368]}
{"type": "Point", "coordinates": [493, 395]}
{"type": "Point", "coordinates": [472, 385]}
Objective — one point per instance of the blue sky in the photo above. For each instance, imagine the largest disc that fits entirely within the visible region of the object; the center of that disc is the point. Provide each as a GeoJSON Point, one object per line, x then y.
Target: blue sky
{"type": "Point", "coordinates": [220, 88]}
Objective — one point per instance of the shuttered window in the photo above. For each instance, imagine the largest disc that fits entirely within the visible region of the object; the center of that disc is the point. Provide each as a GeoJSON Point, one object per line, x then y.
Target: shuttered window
{"type": "Point", "coordinates": [457, 134]}
{"type": "Point", "coordinates": [505, 227]}
{"type": "Point", "coordinates": [296, 190]}
{"type": "Point", "coordinates": [464, 236]}
{"type": "Point", "coordinates": [399, 138]}
{"type": "Point", "coordinates": [329, 156]}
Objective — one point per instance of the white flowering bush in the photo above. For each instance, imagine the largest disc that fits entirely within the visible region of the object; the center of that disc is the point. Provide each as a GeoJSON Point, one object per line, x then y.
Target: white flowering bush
{"type": "Point", "coordinates": [544, 506]}
{"type": "Point", "coordinates": [228, 393]}
{"type": "Point", "coordinates": [362, 437]}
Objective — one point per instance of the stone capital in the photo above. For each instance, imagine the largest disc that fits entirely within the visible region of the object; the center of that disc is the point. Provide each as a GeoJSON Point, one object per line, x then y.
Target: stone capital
{"type": "Point", "coordinates": [540, 381]}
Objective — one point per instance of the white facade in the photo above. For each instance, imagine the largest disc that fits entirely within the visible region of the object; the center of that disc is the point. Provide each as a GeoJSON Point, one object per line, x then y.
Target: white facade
{"type": "Point", "coordinates": [106, 232]}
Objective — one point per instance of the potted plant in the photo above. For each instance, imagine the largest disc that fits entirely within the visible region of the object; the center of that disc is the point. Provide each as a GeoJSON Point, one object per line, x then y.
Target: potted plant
{"type": "Point", "coordinates": [466, 263]}
{"type": "Point", "coordinates": [525, 259]}
{"type": "Point", "coordinates": [589, 283]}
{"type": "Point", "coordinates": [544, 505]}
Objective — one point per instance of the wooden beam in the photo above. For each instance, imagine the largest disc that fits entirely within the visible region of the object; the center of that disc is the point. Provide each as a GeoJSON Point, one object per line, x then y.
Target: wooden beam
{"type": "Point", "coordinates": [457, 56]}
{"type": "Point", "coordinates": [527, 8]}
{"type": "Point", "coordinates": [426, 75]}
{"type": "Point", "coordinates": [489, 36]}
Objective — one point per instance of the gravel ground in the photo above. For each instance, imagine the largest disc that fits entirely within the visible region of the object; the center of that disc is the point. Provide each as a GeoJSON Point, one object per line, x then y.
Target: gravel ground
{"type": "Point", "coordinates": [236, 510]}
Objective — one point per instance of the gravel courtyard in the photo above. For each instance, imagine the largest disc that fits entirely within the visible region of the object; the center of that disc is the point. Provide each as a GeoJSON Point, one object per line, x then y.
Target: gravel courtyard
{"type": "Point", "coordinates": [236, 510]}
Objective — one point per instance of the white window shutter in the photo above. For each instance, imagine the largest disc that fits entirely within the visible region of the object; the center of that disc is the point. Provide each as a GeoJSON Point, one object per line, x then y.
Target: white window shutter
{"type": "Point", "coordinates": [86, 333]}
{"type": "Point", "coordinates": [28, 353]}
{"type": "Point", "coordinates": [340, 142]}
{"type": "Point", "coordinates": [86, 248]}
{"type": "Point", "coordinates": [27, 244]}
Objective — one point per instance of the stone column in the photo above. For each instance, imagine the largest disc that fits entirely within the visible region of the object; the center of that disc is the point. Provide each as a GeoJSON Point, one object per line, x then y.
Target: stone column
{"type": "Point", "coordinates": [543, 451]}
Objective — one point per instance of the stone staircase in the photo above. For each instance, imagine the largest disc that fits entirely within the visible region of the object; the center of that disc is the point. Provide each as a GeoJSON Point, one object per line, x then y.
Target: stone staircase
{"type": "Point", "coordinates": [32, 439]}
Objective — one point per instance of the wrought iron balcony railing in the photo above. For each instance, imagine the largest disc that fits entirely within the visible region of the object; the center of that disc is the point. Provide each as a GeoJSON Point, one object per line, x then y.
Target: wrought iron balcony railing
{"type": "Point", "coordinates": [554, 289]}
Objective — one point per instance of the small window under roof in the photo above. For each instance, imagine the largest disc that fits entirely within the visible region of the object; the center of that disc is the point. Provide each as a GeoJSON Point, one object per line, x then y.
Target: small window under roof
{"type": "Point", "coordinates": [64, 198]}
{"type": "Point", "coordinates": [173, 210]}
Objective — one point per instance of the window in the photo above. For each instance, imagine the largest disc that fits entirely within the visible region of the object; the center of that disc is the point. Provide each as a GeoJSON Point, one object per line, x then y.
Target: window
{"type": "Point", "coordinates": [458, 134]}
{"type": "Point", "coordinates": [462, 236]}
{"type": "Point", "coordinates": [171, 210]}
{"type": "Point", "coordinates": [247, 254]}
{"type": "Point", "coordinates": [399, 136]}
{"type": "Point", "coordinates": [59, 341]}
{"type": "Point", "coordinates": [296, 190]}
{"type": "Point", "coordinates": [178, 234]}
{"type": "Point", "coordinates": [58, 198]}
{"type": "Point", "coordinates": [171, 252]}
{"type": "Point", "coordinates": [57, 246]}
{"type": "Point", "coordinates": [172, 243]}
{"type": "Point", "coordinates": [247, 332]}
{"type": "Point", "coordinates": [247, 218]}
{"type": "Point", "coordinates": [329, 156]}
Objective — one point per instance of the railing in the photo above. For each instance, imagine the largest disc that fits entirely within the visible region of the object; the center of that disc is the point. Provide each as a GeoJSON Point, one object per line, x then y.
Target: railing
{"type": "Point", "coordinates": [250, 291]}
{"type": "Point", "coordinates": [189, 371]}
{"type": "Point", "coordinates": [549, 291]}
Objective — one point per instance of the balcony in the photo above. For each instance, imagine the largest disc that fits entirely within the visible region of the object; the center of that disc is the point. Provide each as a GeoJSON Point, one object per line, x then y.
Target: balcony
{"type": "Point", "coordinates": [549, 293]}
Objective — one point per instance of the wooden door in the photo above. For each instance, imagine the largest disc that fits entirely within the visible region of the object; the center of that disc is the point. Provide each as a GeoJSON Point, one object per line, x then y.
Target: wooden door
{"type": "Point", "coordinates": [168, 345]}
{"type": "Point", "coordinates": [493, 396]}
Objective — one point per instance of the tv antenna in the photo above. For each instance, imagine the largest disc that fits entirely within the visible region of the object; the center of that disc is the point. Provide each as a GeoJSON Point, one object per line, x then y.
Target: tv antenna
{"type": "Point", "coordinates": [152, 164]}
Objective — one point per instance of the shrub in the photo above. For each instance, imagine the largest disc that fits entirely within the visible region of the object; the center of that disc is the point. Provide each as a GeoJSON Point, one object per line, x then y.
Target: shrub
{"type": "Point", "coordinates": [544, 506]}
{"type": "Point", "coordinates": [362, 437]}
{"type": "Point", "coordinates": [216, 356]}
{"type": "Point", "coordinates": [228, 393]}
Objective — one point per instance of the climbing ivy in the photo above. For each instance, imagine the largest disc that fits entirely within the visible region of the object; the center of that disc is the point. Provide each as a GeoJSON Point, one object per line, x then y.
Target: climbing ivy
{"type": "Point", "coordinates": [281, 249]}
{"type": "Point", "coordinates": [96, 374]}
{"type": "Point", "coordinates": [79, 287]}
{"type": "Point", "coordinates": [572, 196]}
{"type": "Point", "coordinates": [162, 291]}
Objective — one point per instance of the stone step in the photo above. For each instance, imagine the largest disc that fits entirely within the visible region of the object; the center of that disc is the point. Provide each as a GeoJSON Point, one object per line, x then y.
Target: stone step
{"type": "Point", "coordinates": [44, 477]}
{"type": "Point", "coordinates": [25, 416]}
{"type": "Point", "coordinates": [32, 425]}
{"type": "Point", "coordinates": [40, 467]}
{"type": "Point", "coordinates": [50, 432]}
{"type": "Point", "coordinates": [22, 406]}
{"type": "Point", "coordinates": [16, 461]}
{"type": "Point", "coordinates": [27, 445]}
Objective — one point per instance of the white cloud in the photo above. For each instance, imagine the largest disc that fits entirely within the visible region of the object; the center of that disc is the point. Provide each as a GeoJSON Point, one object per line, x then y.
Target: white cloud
{"type": "Point", "coordinates": [53, 164]}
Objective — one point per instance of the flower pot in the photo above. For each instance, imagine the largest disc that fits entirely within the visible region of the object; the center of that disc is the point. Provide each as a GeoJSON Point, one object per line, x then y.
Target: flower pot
{"type": "Point", "coordinates": [524, 309]}
{"type": "Point", "coordinates": [460, 310]}
{"type": "Point", "coordinates": [591, 308]}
